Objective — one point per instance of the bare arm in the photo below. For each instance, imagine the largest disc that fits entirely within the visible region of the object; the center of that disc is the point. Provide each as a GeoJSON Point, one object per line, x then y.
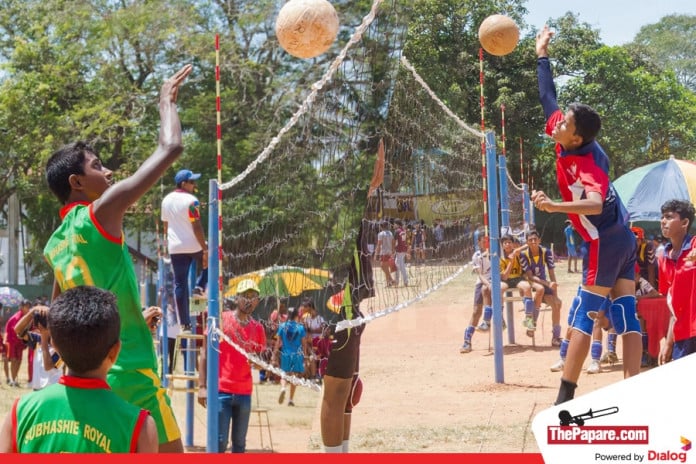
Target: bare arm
{"type": "Point", "coordinates": [24, 323]}
{"type": "Point", "coordinates": [586, 206]}
{"type": "Point", "coordinates": [46, 358]}
{"type": "Point", "coordinates": [200, 235]}
{"type": "Point", "coordinates": [165, 229]}
{"type": "Point", "coordinates": [56, 290]}
{"type": "Point", "coordinates": [148, 439]}
{"type": "Point", "coordinates": [6, 437]}
{"type": "Point", "coordinates": [110, 208]}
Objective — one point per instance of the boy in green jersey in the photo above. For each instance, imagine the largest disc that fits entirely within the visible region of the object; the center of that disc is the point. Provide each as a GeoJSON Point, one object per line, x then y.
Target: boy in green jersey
{"type": "Point", "coordinates": [88, 248]}
{"type": "Point", "coordinates": [80, 413]}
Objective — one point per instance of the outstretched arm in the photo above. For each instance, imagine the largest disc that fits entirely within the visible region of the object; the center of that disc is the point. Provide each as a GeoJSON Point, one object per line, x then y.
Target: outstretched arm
{"type": "Point", "coordinates": [547, 89]}
{"type": "Point", "coordinates": [110, 208]}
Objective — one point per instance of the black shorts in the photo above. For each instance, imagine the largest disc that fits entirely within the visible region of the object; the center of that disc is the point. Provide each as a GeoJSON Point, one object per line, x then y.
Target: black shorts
{"type": "Point", "coordinates": [344, 357]}
{"type": "Point", "coordinates": [512, 283]}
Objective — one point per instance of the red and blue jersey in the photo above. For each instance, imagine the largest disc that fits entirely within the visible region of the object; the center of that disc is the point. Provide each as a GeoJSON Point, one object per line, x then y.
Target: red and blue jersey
{"type": "Point", "coordinates": [677, 278]}
{"type": "Point", "coordinates": [580, 171]}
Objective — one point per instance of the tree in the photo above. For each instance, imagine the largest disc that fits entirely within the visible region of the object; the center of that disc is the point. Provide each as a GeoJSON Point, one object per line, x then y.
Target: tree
{"type": "Point", "coordinates": [671, 42]}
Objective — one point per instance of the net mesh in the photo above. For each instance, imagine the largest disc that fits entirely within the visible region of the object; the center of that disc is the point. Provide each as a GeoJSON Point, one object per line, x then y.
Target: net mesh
{"type": "Point", "coordinates": [371, 147]}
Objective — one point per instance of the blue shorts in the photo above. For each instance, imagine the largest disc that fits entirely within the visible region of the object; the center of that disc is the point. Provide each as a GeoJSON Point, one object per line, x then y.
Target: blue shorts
{"type": "Point", "coordinates": [572, 251]}
{"type": "Point", "coordinates": [292, 362]}
{"type": "Point", "coordinates": [610, 257]}
{"type": "Point", "coordinates": [478, 294]}
{"type": "Point", "coordinates": [682, 348]}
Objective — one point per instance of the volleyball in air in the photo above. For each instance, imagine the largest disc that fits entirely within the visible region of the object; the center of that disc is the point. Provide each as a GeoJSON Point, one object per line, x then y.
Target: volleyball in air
{"type": "Point", "coordinates": [498, 34]}
{"type": "Point", "coordinates": [306, 28]}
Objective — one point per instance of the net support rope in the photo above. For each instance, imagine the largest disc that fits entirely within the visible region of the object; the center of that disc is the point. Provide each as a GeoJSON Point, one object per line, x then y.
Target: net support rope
{"type": "Point", "coordinates": [449, 112]}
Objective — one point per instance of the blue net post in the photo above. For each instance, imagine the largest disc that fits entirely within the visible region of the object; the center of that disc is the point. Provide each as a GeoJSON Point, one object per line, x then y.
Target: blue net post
{"type": "Point", "coordinates": [494, 239]}
{"type": "Point", "coordinates": [163, 302]}
{"type": "Point", "coordinates": [212, 345]}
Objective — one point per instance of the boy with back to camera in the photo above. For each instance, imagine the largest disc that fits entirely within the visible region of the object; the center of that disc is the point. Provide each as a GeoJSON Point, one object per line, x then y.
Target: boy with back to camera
{"type": "Point", "coordinates": [80, 414]}
{"type": "Point", "coordinates": [88, 248]}
{"type": "Point", "coordinates": [597, 214]}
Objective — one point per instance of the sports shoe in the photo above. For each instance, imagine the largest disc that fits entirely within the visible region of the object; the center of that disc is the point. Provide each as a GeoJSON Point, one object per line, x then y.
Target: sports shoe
{"type": "Point", "coordinates": [609, 357]}
{"type": "Point", "coordinates": [291, 403]}
{"type": "Point", "coordinates": [483, 326]}
{"type": "Point", "coordinates": [530, 325]}
{"type": "Point", "coordinates": [281, 398]}
{"type": "Point", "coordinates": [466, 348]}
{"type": "Point", "coordinates": [593, 368]}
{"type": "Point", "coordinates": [558, 367]}
{"type": "Point", "coordinates": [556, 341]}
{"type": "Point", "coordinates": [186, 328]}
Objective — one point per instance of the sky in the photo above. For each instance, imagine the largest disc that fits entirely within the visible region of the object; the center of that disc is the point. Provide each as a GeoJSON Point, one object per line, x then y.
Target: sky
{"type": "Point", "coordinates": [618, 20]}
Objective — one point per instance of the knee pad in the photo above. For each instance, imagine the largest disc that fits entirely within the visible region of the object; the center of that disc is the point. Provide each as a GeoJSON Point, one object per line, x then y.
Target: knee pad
{"type": "Point", "coordinates": [622, 314]}
{"type": "Point", "coordinates": [355, 392]}
{"type": "Point", "coordinates": [583, 303]}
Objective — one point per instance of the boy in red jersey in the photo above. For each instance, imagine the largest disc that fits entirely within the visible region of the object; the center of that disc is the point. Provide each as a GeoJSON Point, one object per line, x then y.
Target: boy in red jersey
{"type": "Point", "coordinates": [88, 248]}
{"type": "Point", "coordinates": [677, 276]}
{"type": "Point", "coordinates": [597, 214]}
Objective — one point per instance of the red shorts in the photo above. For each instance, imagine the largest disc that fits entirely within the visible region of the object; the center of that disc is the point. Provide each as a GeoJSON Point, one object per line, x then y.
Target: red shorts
{"type": "Point", "coordinates": [15, 350]}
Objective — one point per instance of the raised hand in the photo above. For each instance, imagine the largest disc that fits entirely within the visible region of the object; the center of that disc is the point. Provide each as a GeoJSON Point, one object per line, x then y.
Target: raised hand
{"type": "Point", "coordinates": [542, 41]}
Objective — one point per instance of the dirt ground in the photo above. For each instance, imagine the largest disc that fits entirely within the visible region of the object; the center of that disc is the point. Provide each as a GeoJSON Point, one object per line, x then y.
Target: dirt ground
{"type": "Point", "coordinates": [422, 395]}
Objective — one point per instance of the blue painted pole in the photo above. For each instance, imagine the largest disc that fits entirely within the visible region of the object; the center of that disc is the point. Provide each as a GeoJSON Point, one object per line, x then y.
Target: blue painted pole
{"type": "Point", "coordinates": [163, 302]}
{"type": "Point", "coordinates": [494, 243]}
{"type": "Point", "coordinates": [213, 344]}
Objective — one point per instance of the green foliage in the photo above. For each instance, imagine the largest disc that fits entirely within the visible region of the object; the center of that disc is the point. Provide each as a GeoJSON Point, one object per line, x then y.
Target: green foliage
{"type": "Point", "coordinates": [92, 70]}
{"type": "Point", "coordinates": [671, 42]}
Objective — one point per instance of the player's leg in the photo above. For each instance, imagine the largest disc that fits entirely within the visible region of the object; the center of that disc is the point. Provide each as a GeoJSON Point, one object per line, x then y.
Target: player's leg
{"type": "Point", "coordinates": [475, 316]}
{"type": "Point", "coordinates": [588, 300]}
{"type": "Point", "coordinates": [562, 352]}
{"type": "Point", "coordinates": [625, 322]}
{"type": "Point", "coordinates": [525, 289]}
{"type": "Point", "coordinates": [341, 391]}
{"type": "Point", "coordinates": [336, 392]}
{"type": "Point", "coordinates": [595, 350]}
{"type": "Point", "coordinates": [555, 303]}
{"type": "Point", "coordinates": [16, 350]}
